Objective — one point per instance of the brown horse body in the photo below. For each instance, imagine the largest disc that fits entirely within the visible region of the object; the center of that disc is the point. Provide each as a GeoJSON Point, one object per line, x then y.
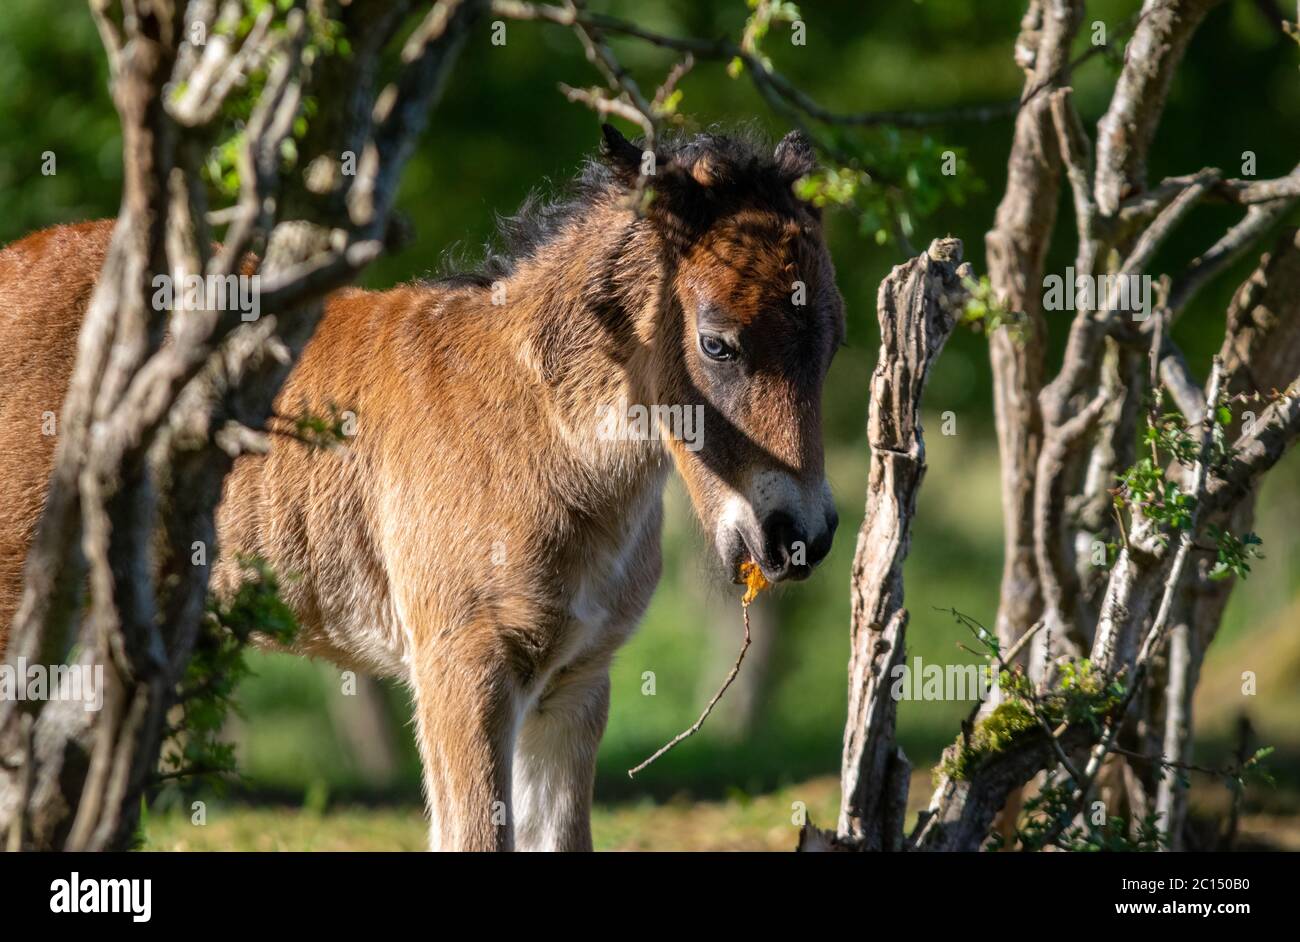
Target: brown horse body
{"type": "Point", "coordinates": [481, 535]}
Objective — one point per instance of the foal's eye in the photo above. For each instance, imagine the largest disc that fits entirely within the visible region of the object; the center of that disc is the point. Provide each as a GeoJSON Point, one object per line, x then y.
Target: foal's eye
{"type": "Point", "coordinates": [715, 348]}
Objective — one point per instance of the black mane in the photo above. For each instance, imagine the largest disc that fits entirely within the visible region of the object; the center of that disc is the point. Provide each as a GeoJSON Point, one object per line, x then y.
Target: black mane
{"type": "Point", "coordinates": [743, 156]}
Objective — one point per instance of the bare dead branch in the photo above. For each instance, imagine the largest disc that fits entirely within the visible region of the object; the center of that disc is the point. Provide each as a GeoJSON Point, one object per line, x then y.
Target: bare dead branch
{"type": "Point", "coordinates": [1016, 247]}
{"type": "Point", "coordinates": [1176, 376]}
{"type": "Point", "coordinates": [1076, 152]}
{"type": "Point", "coordinates": [1166, 221]}
{"type": "Point", "coordinates": [1052, 538]}
{"type": "Point", "coordinates": [1231, 246]}
{"type": "Point", "coordinates": [1255, 452]}
{"type": "Point", "coordinates": [915, 308]}
{"type": "Point", "coordinates": [1240, 192]}
{"type": "Point", "coordinates": [1125, 133]}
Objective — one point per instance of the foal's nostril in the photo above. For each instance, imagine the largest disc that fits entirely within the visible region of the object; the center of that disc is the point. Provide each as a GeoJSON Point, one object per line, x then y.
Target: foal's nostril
{"type": "Point", "coordinates": [784, 544]}
{"type": "Point", "coordinates": [822, 545]}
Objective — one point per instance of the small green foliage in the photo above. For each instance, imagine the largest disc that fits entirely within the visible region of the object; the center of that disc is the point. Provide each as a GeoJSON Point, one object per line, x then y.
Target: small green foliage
{"type": "Point", "coordinates": [1051, 817]}
{"type": "Point", "coordinates": [1156, 498]}
{"type": "Point", "coordinates": [1141, 483]}
{"type": "Point", "coordinates": [1052, 810]}
{"type": "Point", "coordinates": [324, 37]}
{"type": "Point", "coordinates": [668, 107]}
{"type": "Point", "coordinates": [888, 178]}
{"type": "Point", "coordinates": [1146, 489]}
{"type": "Point", "coordinates": [1232, 553]}
{"type": "Point", "coordinates": [1081, 697]}
{"type": "Point", "coordinates": [759, 23]}
{"type": "Point", "coordinates": [1145, 484]}
{"type": "Point", "coordinates": [1086, 696]}
{"type": "Point", "coordinates": [985, 311]}
{"type": "Point", "coordinates": [194, 752]}
{"type": "Point", "coordinates": [222, 166]}
{"type": "Point", "coordinates": [1112, 548]}
{"type": "Point", "coordinates": [837, 186]}
{"type": "Point", "coordinates": [322, 431]}
{"type": "Point", "coordinates": [912, 176]}
{"type": "Point", "coordinates": [1169, 433]}
{"type": "Point", "coordinates": [1253, 769]}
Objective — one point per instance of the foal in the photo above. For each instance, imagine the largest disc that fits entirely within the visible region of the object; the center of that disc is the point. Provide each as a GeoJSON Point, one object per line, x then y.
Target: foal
{"type": "Point", "coordinates": [490, 534]}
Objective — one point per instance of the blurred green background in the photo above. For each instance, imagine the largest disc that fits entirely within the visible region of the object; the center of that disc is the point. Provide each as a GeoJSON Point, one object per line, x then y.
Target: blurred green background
{"type": "Point", "coordinates": [502, 130]}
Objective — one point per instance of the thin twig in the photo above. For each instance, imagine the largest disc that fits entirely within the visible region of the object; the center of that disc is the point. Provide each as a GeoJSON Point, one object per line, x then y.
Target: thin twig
{"type": "Point", "coordinates": [1023, 640]}
{"type": "Point", "coordinates": [695, 728]}
{"type": "Point", "coordinates": [1227, 771]}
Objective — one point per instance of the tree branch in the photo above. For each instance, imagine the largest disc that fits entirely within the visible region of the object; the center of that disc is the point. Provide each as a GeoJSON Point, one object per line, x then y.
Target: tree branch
{"type": "Point", "coordinates": [915, 307]}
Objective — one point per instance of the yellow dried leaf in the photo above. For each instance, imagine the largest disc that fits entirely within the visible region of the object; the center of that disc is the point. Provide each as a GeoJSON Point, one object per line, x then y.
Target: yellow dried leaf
{"type": "Point", "coordinates": [755, 581]}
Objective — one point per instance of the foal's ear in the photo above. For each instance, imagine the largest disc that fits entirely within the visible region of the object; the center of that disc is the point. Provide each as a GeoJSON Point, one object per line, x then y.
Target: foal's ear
{"type": "Point", "coordinates": [622, 155]}
{"type": "Point", "coordinates": [795, 156]}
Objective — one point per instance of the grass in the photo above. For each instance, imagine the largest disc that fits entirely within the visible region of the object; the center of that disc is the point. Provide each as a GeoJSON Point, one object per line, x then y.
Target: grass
{"type": "Point", "coordinates": [764, 822]}
{"type": "Point", "coordinates": [739, 822]}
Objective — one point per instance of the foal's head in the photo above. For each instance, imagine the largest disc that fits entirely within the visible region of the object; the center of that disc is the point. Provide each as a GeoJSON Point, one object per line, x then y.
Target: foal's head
{"type": "Point", "coordinates": [748, 327]}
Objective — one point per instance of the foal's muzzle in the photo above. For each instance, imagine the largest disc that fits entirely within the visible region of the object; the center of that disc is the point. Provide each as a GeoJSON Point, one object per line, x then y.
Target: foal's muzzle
{"type": "Point", "coordinates": [788, 551]}
{"type": "Point", "coordinates": [785, 528]}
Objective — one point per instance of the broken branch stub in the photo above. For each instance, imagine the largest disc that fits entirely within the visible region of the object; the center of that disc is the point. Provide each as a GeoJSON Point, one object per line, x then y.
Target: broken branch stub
{"type": "Point", "coordinates": [916, 307]}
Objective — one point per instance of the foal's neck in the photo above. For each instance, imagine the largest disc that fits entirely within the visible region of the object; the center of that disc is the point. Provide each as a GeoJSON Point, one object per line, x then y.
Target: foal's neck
{"type": "Point", "coordinates": [594, 300]}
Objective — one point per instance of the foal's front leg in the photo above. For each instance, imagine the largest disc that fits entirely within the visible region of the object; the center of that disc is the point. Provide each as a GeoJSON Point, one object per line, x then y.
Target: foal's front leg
{"type": "Point", "coordinates": [466, 703]}
{"type": "Point", "coordinates": [555, 760]}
